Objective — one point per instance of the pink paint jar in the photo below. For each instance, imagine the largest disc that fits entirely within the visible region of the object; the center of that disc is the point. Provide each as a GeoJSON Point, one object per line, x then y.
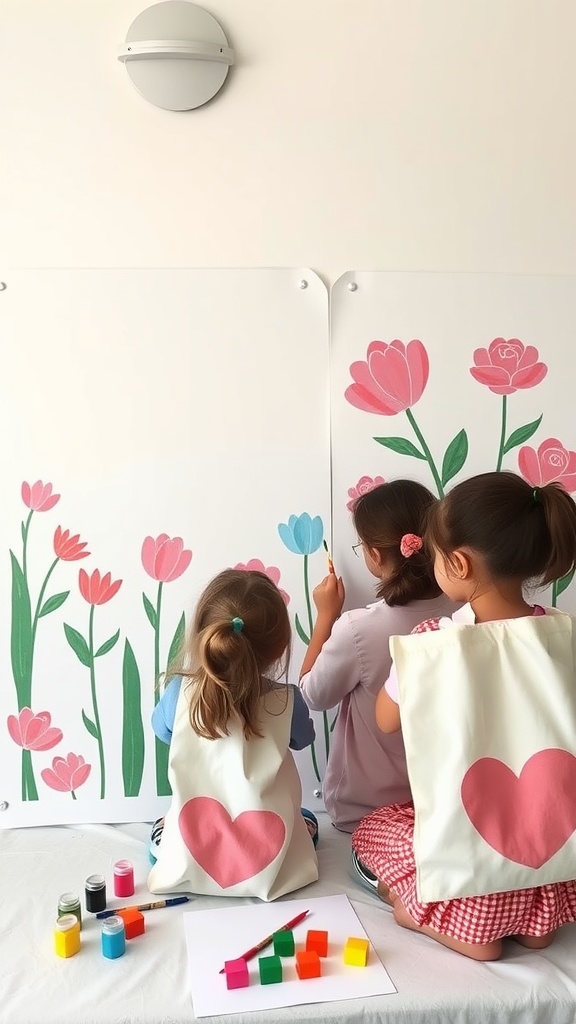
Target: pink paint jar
{"type": "Point", "coordinates": [123, 878]}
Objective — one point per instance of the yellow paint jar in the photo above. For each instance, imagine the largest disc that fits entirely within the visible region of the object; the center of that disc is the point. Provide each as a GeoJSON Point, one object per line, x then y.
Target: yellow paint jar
{"type": "Point", "coordinates": [67, 935]}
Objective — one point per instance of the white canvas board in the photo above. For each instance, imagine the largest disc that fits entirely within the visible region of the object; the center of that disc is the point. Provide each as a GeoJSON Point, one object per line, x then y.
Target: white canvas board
{"type": "Point", "coordinates": [186, 403]}
{"type": "Point", "coordinates": [213, 936]}
{"type": "Point", "coordinates": [458, 319]}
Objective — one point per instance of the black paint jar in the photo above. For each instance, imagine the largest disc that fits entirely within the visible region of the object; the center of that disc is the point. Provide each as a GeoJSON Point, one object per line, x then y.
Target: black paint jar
{"type": "Point", "coordinates": [95, 893]}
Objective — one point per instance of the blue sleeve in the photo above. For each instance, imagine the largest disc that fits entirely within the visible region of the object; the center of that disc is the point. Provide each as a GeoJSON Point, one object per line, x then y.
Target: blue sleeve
{"type": "Point", "coordinates": [302, 732]}
{"type": "Point", "coordinates": [165, 711]}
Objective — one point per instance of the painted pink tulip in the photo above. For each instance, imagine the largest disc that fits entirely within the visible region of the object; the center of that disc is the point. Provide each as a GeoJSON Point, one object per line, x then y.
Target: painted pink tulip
{"type": "Point", "coordinates": [69, 548]}
{"type": "Point", "coordinates": [96, 589]}
{"type": "Point", "coordinates": [165, 558]}
{"type": "Point", "coordinates": [33, 732]}
{"type": "Point", "coordinates": [552, 463]}
{"type": "Point", "coordinates": [66, 773]}
{"type": "Point", "coordinates": [365, 484]}
{"type": "Point", "coordinates": [271, 571]}
{"type": "Point", "coordinates": [38, 497]}
{"type": "Point", "coordinates": [508, 366]}
{"type": "Point", "coordinates": [391, 380]}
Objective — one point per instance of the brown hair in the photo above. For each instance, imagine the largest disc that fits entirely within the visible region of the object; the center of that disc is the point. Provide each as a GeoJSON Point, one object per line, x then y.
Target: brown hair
{"type": "Point", "coordinates": [522, 532]}
{"type": "Point", "coordinates": [226, 666]}
{"type": "Point", "coordinates": [382, 516]}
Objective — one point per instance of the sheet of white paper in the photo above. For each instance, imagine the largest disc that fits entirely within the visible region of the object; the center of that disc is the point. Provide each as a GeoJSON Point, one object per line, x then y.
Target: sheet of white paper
{"type": "Point", "coordinates": [213, 936]}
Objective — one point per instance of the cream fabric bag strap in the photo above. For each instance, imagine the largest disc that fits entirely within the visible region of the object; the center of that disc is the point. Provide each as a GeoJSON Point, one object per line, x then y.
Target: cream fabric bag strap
{"type": "Point", "coordinates": [489, 723]}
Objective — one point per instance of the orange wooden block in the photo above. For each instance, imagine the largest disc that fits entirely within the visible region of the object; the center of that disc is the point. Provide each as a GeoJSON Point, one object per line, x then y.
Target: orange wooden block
{"type": "Point", "coordinates": [317, 942]}
{"type": "Point", "coordinates": [308, 965]}
{"type": "Point", "coordinates": [133, 922]}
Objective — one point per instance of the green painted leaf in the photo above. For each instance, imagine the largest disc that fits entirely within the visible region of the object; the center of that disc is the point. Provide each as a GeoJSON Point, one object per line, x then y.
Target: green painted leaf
{"type": "Point", "coordinates": [402, 446]}
{"type": "Point", "coordinates": [107, 645]}
{"type": "Point", "coordinates": [301, 631]}
{"type": "Point", "coordinates": [21, 635]}
{"type": "Point", "coordinates": [455, 456]}
{"type": "Point", "coordinates": [89, 725]}
{"type": "Point", "coordinates": [521, 435]}
{"type": "Point", "coordinates": [564, 583]}
{"type": "Point", "coordinates": [132, 727]}
{"type": "Point", "coordinates": [53, 603]}
{"type": "Point", "coordinates": [177, 640]}
{"type": "Point", "coordinates": [163, 787]}
{"type": "Point", "coordinates": [150, 611]}
{"type": "Point", "coordinates": [78, 644]}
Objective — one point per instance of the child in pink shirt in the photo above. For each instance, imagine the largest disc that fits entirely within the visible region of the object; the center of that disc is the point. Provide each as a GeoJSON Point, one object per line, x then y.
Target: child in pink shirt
{"type": "Point", "coordinates": [348, 658]}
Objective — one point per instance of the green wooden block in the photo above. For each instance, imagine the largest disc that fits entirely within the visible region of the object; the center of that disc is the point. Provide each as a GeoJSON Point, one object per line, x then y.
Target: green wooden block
{"type": "Point", "coordinates": [284, 943]}
{"type": "Point", "coordinates": [270, 968]}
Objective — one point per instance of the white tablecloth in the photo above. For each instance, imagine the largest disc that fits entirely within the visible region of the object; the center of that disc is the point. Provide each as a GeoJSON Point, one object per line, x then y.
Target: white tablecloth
{"type": "Point", "coordinates": [149, 985]}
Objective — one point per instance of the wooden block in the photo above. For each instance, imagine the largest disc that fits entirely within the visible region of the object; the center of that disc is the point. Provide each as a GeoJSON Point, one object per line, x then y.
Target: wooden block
{"type": "Point", "coordinates": [270, 968]}
{"type": "Point", "coordinates": [356, 952]}
{"type": "Point", "coordinates": [284, 943]}
{"type": "Point", "coordinates": [317, 942]}
{"type": "Point", "coordinates": [236, 972]}
{"type": "Point", "coordinates": [133, 922]}
{"type": "Point", "coordinates": [308, 965]}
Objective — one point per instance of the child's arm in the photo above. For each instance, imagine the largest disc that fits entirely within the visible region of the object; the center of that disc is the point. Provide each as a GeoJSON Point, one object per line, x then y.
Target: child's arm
{"type": "Point", "coordinates": [302, 731]}
{"type": "Point", "coordinates": [328, 598]}
{"type": "Point", "coordinates": [337, 670]}
{"type": "Point", "coordinates": [387, 704]}
{"type": "Point", "coordinates": [165, 711]}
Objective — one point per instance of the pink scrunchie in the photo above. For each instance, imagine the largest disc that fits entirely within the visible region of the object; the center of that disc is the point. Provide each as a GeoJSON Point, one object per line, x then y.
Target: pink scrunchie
{"type": "Point", "coordinates": [410, 543]}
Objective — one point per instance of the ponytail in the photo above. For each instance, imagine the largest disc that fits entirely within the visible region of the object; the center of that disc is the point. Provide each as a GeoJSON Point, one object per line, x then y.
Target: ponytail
{"type": "Point", "coordinates": [560, 516]}
{"type": "Point", "coordinates": [227, 682]}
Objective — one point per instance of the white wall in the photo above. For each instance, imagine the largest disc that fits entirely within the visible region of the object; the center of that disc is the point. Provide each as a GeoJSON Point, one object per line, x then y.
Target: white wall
{"type": "Point", "coordinates": [410, 134]}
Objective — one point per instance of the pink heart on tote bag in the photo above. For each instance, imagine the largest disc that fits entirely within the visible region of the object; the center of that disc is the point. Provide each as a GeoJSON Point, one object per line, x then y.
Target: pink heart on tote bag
{"type": "Point", "coordinates": [526, 818]}
{"type": "Point", "coordinates": [230, 850]}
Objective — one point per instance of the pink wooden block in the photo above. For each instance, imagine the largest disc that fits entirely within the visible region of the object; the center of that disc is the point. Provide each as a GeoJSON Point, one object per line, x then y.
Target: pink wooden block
{"type": "Point", "coordinates": [236, 972]}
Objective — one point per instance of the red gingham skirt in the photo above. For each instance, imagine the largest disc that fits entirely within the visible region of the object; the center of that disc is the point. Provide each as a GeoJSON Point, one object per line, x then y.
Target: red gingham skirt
{"type": "Point", "coordinates": [384, 842]}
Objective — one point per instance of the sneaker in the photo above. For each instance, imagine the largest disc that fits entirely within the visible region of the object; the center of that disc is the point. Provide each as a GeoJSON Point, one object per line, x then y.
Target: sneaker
{"type": "Point", "coordinates": [155, 837]}
{"type": "Point", "coordinates": [368, 878]}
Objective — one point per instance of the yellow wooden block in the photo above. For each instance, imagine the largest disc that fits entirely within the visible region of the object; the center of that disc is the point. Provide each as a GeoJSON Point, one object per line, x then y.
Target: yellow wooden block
{"type": "Point", "coordinates": [356, 952]}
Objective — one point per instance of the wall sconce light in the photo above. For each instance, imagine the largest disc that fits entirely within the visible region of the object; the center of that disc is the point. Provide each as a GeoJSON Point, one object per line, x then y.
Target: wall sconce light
{"type": "Point", "coordinates": [176, 55]}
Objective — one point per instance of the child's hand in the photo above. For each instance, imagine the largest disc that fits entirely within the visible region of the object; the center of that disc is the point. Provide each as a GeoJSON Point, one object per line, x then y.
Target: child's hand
{"type": "Point", "coordinates": [329, 597]}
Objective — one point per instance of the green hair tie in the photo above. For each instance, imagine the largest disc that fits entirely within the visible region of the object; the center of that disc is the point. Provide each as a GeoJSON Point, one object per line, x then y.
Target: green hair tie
{"type": "Point", "coordinates": [237, 624]}
{"type": "Point", "coordinates": [536, 495]}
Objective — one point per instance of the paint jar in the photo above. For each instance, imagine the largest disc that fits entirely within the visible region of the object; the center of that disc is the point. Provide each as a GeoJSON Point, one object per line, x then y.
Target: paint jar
{"type": "Point", "coordinates": [69, 903]}
{"type": "Point", "coordinates": [113, 937]}
{"type": "Point", "coordinates": [67, 935]}
{"type": "Point", "coordinates": [123, 878]}
{"type": "Point", "coordinates": [95, 893]}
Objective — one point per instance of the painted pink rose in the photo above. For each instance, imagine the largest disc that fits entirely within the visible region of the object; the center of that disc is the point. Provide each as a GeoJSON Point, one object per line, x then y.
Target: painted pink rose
{"type": "Point", "coordinates": [391, 380]}
{"type": "Point", "coordinates": [67, 773]}
{"type": "Point", "coordinates": [508, 366]}
{"type": "Point", "coordinates": [33, 732]}
{"type": "Point", "coordinates": [365, 484]}
{"type": "Point", "coordinates": [38, 497]}
{"type": "Point", "coordinates": [272, 571]}
{"type": "Point", "coordinates": [165, 558]}
{"type": "Point", "coordinates": [552, 463]}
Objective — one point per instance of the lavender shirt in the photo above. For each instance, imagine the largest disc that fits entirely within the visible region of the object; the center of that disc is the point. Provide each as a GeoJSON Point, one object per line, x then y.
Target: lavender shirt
{"type": "Point", "coordinates": [366, 768]}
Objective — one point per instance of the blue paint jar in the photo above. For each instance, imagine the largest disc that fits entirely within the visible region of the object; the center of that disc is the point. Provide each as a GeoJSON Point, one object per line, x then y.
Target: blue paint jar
{"type": "Point", "coordinates": [113, 938]}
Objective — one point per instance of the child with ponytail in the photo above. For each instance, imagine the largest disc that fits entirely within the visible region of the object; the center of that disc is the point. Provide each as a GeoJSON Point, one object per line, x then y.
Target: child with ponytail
{"type": "Point", "coordinates": [234, 827]}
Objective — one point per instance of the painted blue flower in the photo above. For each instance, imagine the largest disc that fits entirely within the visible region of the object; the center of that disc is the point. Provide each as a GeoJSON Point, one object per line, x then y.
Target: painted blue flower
{"type": "Point", "coordinates": [303, 535]}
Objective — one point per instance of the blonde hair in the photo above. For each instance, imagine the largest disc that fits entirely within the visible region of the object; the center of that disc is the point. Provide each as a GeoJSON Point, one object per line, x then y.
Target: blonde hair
{"type": "Point", "coordinates": [226, 662]}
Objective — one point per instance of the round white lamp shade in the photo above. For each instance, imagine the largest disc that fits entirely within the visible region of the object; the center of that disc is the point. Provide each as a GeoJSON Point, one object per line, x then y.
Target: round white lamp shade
{"type": "Point", "coordinates": [176, 55]}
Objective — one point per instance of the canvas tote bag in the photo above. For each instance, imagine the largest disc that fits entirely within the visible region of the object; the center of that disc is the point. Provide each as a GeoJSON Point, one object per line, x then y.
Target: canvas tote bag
{"type": "Point", "coordinates": [489, 722]}
{"type": "Point", "coordinates": [234, 827]}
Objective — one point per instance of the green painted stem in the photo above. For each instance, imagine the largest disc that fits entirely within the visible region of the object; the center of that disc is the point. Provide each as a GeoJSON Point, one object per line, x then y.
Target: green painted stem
{"type": "Point", "coordinates": [314, 761]}
{"type": "Point", "coordinates": [307, 594]}
{"type": "Point", "coordinates": [502, 435]}
{"type": "Point", "coordinates": [29, 791]}
{"type": "Point", "coordinates": [554, 591]}
{"type": "Point", "coordinates": [95, 712]}
{"type": "Point", "coordinates": [427, 452]}
{"type": "Point", "coordinates": [25, 542]}
{"type": "Point", "coordinates": [39, 607]}
{"type": "Point", "coordinates": [73, 794]}
{"type": "Point", "coordinates": [160, 749]}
